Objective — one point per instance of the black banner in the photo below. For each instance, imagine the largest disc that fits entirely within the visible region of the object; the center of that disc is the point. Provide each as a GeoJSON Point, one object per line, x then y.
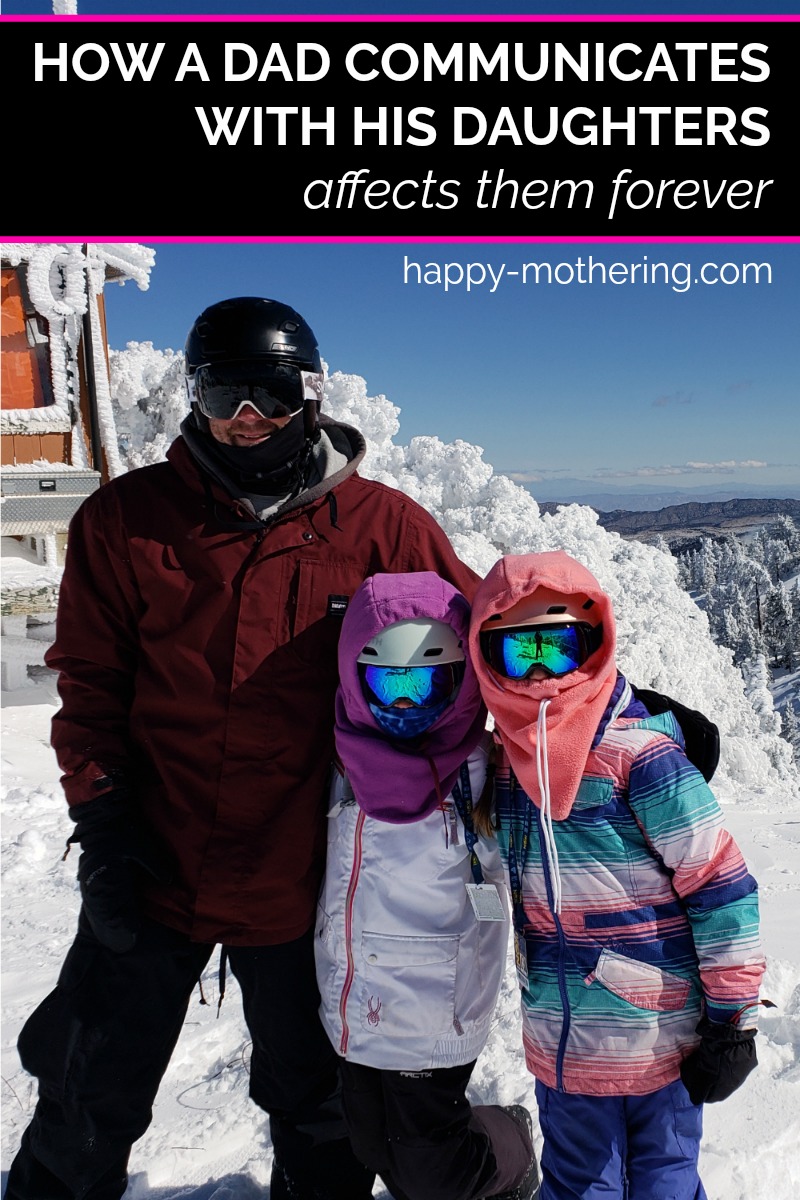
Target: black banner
{"type": "Point", "coordinates": [406, 128]}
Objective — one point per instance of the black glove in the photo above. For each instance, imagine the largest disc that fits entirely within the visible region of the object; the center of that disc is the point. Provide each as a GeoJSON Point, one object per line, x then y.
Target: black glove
{"type": "Point", "coordinates": [114, 848]}
{"type": "Point", "coordinates": [720, 1064]}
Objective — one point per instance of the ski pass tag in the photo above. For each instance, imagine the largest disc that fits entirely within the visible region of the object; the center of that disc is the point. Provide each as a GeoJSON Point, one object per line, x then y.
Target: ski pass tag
{"type": "Point", "coordinates": [521, 958]}
{"type": "Point", "coordinates": [485, 901]}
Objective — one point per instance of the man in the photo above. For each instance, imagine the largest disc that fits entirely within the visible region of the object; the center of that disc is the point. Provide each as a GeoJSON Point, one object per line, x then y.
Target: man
{"type": "Point", "coordinates": [196, 643]}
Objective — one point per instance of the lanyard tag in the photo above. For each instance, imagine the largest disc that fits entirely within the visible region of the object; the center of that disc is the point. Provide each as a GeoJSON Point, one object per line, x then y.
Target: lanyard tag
{"type": "Point", "coordinates": [521, 958]}
{"type": "Point", "coordinates": [485, 901]}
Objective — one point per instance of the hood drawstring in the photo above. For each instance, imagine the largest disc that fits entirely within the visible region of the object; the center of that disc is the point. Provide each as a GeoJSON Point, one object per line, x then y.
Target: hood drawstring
{"type": "Point", "coordinates": [221, 977]}
{"type": "Point", "coordinates": [223, 963]}
{"type": "Point", "coordinates": [543, 777]}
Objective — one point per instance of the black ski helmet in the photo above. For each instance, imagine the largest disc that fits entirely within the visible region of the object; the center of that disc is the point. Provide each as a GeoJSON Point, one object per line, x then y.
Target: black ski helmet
{"type": "Point", "coordinates": [249, 328]}
{"type": "Point", "coordinates": [253, 329]}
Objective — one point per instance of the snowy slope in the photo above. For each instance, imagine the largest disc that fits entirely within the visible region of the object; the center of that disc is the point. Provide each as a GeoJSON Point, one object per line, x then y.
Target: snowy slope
{"type": "Point", "coordinates": [207, 1140]}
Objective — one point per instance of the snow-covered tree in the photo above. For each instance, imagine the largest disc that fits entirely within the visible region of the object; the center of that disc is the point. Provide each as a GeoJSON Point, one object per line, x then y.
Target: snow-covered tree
{"type": "Point", "coordinates": [791, 729]}
{"type": "Point", "coordinates": [786, 531]}
{"type": "Point", "coordinates": [724, 606]}
{"type": "Point", "coordinates": [750, 644]}
{"type": "Point", "coordinates": [150, 400]}
{"type": "Point", "coordinates": [777, 624]}
{"type": "Point", "coordinates": [776, 556]}
{"type": "Point", "coordinates": [793, 600]}
{"type": "Point", "coordinates": [757, 679]}
{"type": "Point", "coordinates": [685, 572]}
{"type": "Point", "coordinates": [706, 566]}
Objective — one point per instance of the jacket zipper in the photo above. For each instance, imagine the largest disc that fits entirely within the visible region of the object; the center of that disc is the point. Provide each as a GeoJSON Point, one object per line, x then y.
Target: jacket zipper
{"type": "Point", "coordinates": [355, 871]}
{"type": "Point", "coordinates": [562, 950]}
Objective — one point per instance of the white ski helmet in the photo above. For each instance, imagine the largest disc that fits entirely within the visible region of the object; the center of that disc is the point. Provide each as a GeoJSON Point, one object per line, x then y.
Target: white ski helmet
{"type": "Point", "coordinates": [545, 607]}
{"type": "Point", "coordinates": [416, 642]}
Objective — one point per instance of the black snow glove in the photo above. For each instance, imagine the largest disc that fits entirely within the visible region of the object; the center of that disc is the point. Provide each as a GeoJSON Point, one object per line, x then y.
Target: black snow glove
{"type": "Point", "coordinates": [720, 1064]}
{"type": "Point", "coordinates": [115, 848]}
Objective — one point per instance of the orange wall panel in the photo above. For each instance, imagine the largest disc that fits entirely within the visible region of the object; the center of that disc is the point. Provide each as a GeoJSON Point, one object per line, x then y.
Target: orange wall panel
{"type": "Point", "coordinates": [20, 448]}
{"type": "Point", "coordinates": [20, 385]}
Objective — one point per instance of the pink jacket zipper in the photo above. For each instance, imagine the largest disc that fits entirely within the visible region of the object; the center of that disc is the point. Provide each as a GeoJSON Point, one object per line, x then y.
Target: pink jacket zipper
{"type": "Point", "coordinates": [348, 930]}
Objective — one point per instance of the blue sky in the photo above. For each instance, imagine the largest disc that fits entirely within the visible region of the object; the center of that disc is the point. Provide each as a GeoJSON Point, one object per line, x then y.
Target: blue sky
{"type": "Point", "coordinates": [624, 385]}
{"type": "Point", "coordinates": [636, 385]}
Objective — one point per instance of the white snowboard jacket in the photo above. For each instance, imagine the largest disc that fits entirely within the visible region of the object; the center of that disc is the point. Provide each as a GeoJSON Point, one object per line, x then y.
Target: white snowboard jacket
{"type": "Point", "coordinates": [408, 976]}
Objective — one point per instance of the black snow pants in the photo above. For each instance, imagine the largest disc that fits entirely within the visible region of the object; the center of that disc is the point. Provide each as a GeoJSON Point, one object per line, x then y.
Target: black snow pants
{"type": "Point", "coordinates": [100, 1043]}
{"type": "Point", "coordinates": [419, 1132]}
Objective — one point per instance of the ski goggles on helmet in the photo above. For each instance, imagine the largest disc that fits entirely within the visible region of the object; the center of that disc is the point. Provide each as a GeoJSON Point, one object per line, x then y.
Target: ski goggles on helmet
{"type": "Point", "coordinates": [273, 389]}
{"type": "Point", "coordinates": [423, 686]}
{"type": "Point", "coordinates": [557, 648]}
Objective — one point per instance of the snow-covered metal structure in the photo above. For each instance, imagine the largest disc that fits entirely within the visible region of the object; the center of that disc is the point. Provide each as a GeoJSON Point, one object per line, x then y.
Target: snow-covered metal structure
{"type": "Point", "coordinates": [57, 434]}
{"type": "Point", "coordinates": [58, 439]}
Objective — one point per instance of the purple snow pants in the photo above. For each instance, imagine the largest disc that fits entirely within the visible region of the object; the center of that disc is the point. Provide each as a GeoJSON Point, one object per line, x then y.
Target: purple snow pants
{"type": "Point", "coordinates": [620, 1147]}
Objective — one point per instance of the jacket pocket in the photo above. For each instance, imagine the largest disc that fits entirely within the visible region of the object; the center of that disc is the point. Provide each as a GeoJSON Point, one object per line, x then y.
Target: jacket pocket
{"type": "Point", "coordinates": [641, 984]}
{"type": "Point", "coordinates": [408, 984]}
{"type": "Point", "coordinates": [53, 1040]}
{"type": "Point", "coordinates": [594, 793]}
{"type": "Point", "coordinates": [318, 597]}
{"type": "Point", "coordinates": [326, 956]}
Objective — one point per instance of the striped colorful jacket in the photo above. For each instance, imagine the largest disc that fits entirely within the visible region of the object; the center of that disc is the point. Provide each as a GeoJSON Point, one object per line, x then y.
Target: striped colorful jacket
{"type": "Point", "coordinates": [658, 916]}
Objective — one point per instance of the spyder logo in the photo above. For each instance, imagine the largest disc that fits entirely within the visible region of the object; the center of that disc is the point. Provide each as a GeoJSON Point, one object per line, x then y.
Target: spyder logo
{"type": "Point", "coordinates": [373, 1014]}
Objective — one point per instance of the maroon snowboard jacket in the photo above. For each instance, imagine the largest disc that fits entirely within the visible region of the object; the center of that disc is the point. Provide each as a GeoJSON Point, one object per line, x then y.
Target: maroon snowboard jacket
{"type": "Point", "coordinates": [197, 659]}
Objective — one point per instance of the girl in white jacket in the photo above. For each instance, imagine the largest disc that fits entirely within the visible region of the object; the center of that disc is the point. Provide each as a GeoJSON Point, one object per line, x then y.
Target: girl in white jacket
{"type": "Point", "coordinates": [412, 927]}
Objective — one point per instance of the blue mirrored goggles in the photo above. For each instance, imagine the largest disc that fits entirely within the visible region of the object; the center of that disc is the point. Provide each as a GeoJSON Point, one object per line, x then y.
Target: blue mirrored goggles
{"type": "Point", "coordinates": [423, 686]}
{"type": "Point", "coordinates": [556, 648]}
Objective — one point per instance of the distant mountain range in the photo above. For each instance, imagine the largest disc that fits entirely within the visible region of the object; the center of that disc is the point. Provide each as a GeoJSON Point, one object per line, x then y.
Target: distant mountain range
{"type": "Point", "coordinates": [647, 498]}
{"type": "Point", "coordinates": [681, 524]}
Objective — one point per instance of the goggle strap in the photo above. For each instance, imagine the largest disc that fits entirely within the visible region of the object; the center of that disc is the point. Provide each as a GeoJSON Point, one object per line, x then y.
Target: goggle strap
{"type": "Point", "coordinates": [251, 404]}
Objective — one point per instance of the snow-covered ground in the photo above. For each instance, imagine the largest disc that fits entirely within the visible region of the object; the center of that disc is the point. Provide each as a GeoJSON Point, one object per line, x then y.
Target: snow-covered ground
{"type": "Point", "coordinates": [207, 1140]}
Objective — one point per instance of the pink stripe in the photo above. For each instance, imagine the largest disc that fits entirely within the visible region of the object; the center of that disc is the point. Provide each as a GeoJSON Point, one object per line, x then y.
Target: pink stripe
{"type": "Point", "coordinates": [348, 929]}
{"type": "Point", "coordinates": [410, 240]}
{"type": "Point", "coordinates": [410, 18]}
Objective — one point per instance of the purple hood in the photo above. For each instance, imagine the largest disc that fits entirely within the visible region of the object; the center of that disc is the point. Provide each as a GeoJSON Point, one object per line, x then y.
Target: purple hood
{"type": "Point", "coordinates": [392, 781]}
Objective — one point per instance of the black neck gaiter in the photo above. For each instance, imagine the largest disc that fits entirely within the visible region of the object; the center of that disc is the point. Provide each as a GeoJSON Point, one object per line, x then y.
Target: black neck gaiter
{"type": "Point", "coordinates": [270, 468]}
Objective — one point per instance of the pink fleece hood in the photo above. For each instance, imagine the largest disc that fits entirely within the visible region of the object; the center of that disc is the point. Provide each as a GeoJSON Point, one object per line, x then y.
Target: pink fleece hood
{"type": "Point", "coordinates": [576, 702]}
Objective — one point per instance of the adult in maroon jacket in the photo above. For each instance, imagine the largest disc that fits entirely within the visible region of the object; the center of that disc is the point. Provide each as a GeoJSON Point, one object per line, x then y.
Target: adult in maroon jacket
{"type": "Point", "coordinates": [196, 643]}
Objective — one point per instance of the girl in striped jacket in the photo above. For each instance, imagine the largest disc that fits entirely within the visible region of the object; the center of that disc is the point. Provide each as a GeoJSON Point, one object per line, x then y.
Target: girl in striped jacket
{"type": "Point", "coordinates": [635, 917]}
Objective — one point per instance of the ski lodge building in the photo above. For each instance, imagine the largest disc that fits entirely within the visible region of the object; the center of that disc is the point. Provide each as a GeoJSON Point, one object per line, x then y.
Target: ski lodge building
{"type": "Point", "coordinates": [57, 434]}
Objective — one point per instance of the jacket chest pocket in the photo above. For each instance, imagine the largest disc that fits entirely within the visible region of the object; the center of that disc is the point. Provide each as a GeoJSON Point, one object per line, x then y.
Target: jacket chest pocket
{"type": "Point", "coordinates": [319, 592]}
{"type": "Point", "coordinates": [406, 980]}
{"type": "Point", "coordinates": [595, 793]}
{"type": "Point", "coordinates": [642, 984]}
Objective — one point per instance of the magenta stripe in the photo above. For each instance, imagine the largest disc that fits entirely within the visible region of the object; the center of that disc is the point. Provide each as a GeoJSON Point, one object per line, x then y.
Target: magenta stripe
{"type": "Point", "coordinates": [428, 18]}
{"type": "Point", "coordinates": [410, 239]}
